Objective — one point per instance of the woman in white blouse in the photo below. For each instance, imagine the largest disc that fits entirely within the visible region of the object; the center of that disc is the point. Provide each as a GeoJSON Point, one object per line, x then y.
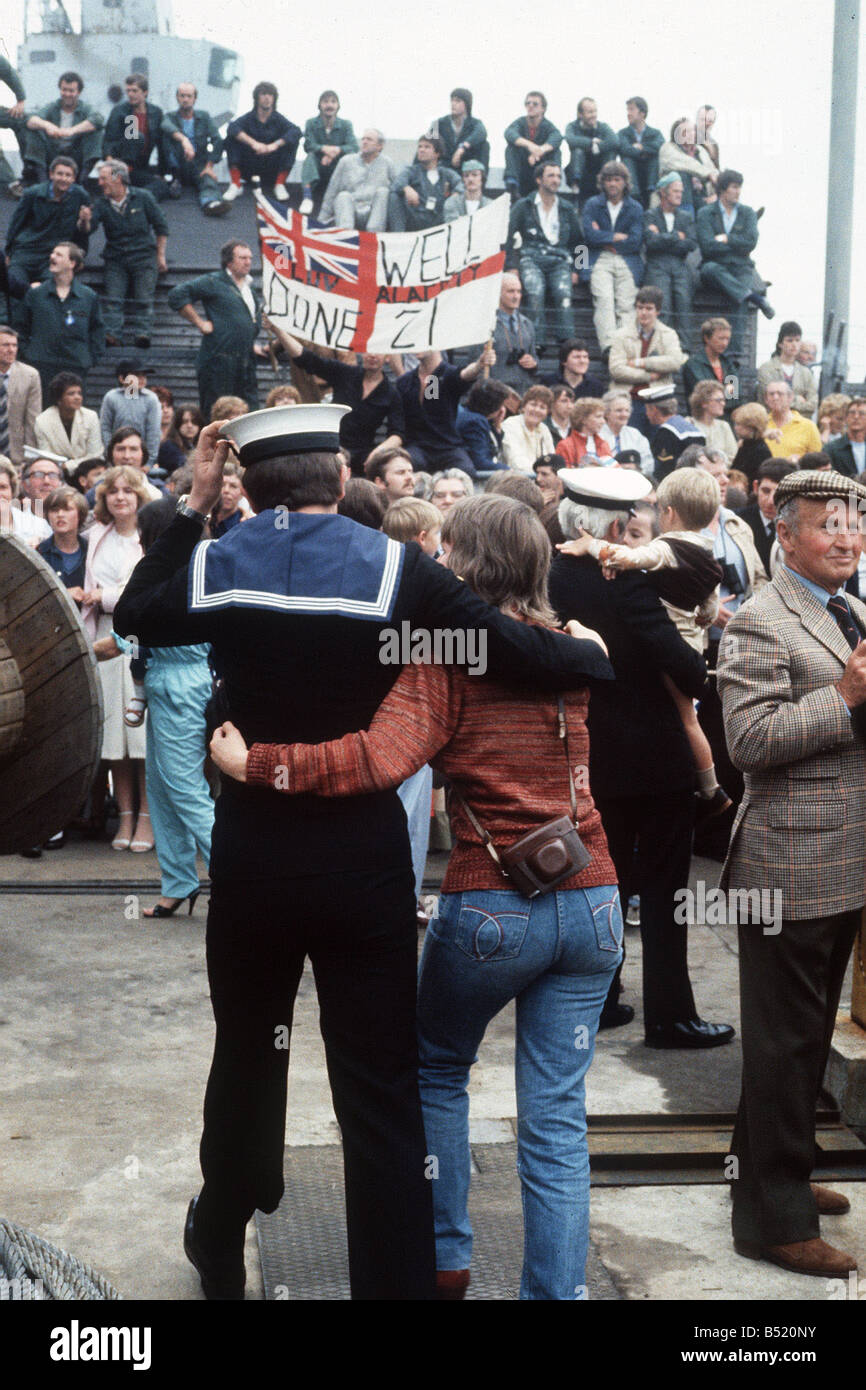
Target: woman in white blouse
{"type": "Point", "coordinates": [113, 551]}
{"type": "Point", "coordinates": [707, 404]}
{"type": "Point", "coordinates": [525, 437]}
{"type": "Point", "coordinates": [66, 429]}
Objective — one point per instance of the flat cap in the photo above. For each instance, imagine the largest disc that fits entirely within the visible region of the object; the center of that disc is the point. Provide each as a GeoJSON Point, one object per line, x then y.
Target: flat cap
{"type": "Point", "coordinates": [820, 484]}
{"type": "Point", "coordinates": [667, 179]}
{"type": "Point", "coordinates": [613, 489]}
{"type": "Point", "coordinates": [471, 166]}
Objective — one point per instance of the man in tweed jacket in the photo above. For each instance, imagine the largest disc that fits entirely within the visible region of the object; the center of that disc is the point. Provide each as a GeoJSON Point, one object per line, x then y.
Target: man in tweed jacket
{"type": "Point", "coordinates": [792, 680]}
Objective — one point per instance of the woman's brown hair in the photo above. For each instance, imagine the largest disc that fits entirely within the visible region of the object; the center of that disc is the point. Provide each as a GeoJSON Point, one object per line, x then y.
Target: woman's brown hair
{"type": "Point", "coordinates": [501, 550]}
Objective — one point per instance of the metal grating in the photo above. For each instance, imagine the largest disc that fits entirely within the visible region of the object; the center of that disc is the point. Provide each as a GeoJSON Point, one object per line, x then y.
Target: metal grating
{"type": "Point", "coordinates": [303, 1243]}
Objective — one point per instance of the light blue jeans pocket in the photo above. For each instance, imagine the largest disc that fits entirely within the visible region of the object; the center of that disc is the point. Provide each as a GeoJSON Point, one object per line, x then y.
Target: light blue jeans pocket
{"type": "Point", "coordinates": [606, 917]}
{"type": "Point", "coordinates": [492, 928]}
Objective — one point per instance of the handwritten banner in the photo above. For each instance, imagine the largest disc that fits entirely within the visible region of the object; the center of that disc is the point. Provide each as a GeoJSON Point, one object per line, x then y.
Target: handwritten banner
{"type": "Point", "coordinates": [383, 292]}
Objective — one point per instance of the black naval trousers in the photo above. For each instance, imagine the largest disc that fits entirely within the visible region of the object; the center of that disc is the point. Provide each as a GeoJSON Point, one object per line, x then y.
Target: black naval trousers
{"type": "Point", "coordinates": [649, 838]}
{"type": "Point", "coordinates": [360, 933]}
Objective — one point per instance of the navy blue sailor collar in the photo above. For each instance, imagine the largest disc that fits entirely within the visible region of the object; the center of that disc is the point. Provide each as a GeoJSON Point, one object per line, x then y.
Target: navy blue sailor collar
{"type": "Point", "coordinates": [314, 563]}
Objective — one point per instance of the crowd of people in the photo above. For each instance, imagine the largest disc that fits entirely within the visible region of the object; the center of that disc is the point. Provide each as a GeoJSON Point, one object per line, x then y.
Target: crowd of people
{"type": "Point", "coordinates": [562, 496]}
{"type": "Point", "coordinates": [613, 209]}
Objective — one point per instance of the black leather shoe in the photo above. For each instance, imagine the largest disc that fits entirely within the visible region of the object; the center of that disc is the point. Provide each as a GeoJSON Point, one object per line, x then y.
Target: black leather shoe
{"type": "Point", "coordinates": [694, 1033]}
{"type": "Point", "coordinates": [222, 1276]}
{"type": "Point", "coordinates": [615, 1016]}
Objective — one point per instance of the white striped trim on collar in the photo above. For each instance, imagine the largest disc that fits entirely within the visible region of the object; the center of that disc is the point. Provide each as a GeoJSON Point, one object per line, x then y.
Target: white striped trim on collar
{"type": "Point", "coordinates": [380, 607]}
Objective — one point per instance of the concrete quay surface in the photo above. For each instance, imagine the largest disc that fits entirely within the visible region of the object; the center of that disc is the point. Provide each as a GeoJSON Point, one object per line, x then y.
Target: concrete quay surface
{"type": "Point", "coordinates": [105, 1042]}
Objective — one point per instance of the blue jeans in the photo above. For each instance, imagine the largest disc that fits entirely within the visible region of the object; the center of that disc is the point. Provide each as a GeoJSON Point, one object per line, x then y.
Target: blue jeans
{"type": "Point", "coordinates": [415, 795]}
{"type": "Point", "coordinates": [548, 275]}
{"type": "Point", "coordinates": [556, 956]}
{"type": "Point", "coordinates": [191, 176]}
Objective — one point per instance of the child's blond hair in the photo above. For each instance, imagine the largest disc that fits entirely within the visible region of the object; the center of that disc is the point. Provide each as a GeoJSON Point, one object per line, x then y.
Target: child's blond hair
{"type": "Point", "coordinates": [694, 495]}
{"type": "Point", "coordinates": [406, 518]}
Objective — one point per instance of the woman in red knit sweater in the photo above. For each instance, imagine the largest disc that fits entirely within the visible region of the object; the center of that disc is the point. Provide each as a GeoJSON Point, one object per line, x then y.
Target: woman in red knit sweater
{"type": "Point", "coordinates": [555, 954]}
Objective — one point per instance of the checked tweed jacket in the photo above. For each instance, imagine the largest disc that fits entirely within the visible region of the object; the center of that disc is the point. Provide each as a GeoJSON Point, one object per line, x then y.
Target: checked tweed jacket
{"type": "Point", "coordinates": [801, 827]}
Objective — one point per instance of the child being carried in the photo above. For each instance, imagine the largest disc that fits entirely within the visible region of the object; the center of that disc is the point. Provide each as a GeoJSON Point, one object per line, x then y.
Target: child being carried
{"type": "Point", "coordinates": [679, 565]}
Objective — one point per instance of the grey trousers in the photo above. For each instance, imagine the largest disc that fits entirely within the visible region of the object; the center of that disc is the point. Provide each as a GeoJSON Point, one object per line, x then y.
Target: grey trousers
{"type": "Point", "coordinates": [373, 219]}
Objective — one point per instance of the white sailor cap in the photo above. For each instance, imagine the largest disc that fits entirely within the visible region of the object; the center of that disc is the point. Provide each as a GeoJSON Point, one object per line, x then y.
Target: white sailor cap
{"type": "Point", "coordinates": [614, 489]}
{"type": "Point", "coordinates": [285, 429]}
{"type": "Point", "coordinates": [654, 394]}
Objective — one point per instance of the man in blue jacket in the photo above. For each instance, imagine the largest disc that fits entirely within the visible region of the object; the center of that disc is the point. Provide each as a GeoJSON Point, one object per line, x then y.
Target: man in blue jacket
{"type": "Point", "coordinates": [530, 140]}
{"type": "Point", "coordinates": [417, 199]}
{"type": "Point", "coordinates": [62, 328]}
{"type": "Point", "coordinates": [544, 234]}
{"type": "Point", "coordinates": [66, 126]}
{"type": "Point", "coordinates": [462, 134]}
{"type": "Point", "coordinates": [262, 143]}
{"type": "Point", "coordinates": [47, 214]}
{"type": "Point", "coordinates": [613, 230]}
{"type": "Point", "coordinates": [639, 146]}
{"type": "Point", "coordinates": [133, 256]}
{"type": "Point", "coordinates": [327, 137]}
{"type": "Point", "coordinates": [227, 352]}
{"type": "Point", "coordinates": [479, 423]}
{"type": "Point", "coordinates": [669, 232]}
{"type": "Point", "coordinates": [12, 118]}
{"type": "Point", "coordinates": [727, 233]}
{"type": "Point", "coordinates": [592, 144]}
{"type": "Point", "coordinates": [192, 147]}
{"type": "Point", "coordinates": [132, 132]}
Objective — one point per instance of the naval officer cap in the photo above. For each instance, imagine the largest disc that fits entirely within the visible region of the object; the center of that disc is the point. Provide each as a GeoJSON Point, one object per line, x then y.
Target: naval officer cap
{"type": "Point", "coordinates": [817, 484]}
{"type": "Point", "coordinates": [285, 430]}
{"type": "Point", "coordinates": [613, 489]}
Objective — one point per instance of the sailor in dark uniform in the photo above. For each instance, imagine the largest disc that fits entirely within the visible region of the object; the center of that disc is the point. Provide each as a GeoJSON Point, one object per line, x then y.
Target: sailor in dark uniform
{"type": "Point", "coordinates": [640, 767]}
{"type": "Point", "coordinates": [294, 603]}
{"type": "Point", "coordinates": [669, 432]}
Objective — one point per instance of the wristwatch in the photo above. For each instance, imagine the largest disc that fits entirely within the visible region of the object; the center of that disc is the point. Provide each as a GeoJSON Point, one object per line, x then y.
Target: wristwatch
{"type": "Point", "coordinates": [184, 509]}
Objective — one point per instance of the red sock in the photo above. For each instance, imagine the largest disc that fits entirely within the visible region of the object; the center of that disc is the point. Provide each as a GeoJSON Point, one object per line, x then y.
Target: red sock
{"type": "Point", "coordinates": [281, 178]}
{"type": "Point", "coordinates": [235, 175]}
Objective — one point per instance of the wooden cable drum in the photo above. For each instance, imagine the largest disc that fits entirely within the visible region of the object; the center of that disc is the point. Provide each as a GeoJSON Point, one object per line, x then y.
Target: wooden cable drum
{"type": "Point", "coordinates": [50, 702]}
{"type": "Point", "coordinates": [11, 701]}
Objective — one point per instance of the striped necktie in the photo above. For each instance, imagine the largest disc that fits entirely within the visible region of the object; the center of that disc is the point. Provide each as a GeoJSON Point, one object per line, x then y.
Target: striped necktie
{"type": "Point", "coordinates": [838, 606]}
{"type": "Point", "coordinates": [4, 416]}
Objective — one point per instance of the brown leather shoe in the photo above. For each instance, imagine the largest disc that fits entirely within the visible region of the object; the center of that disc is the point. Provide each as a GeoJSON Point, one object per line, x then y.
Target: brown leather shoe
{"type": "Point", "coordinates": [830, 1203]}
{"type": "Point", "coordinates": [801, 1257]}
{"type": "Point", "coordinates": [451, 1284]}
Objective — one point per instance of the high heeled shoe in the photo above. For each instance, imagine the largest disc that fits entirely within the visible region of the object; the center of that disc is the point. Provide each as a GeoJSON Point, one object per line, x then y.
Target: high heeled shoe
{"type": "Point", "coordinates": [160, 910]}
{"type": "Point", "coordinates": [141, 846]}
{"type": "Point", "coordinates": [122, 841]}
